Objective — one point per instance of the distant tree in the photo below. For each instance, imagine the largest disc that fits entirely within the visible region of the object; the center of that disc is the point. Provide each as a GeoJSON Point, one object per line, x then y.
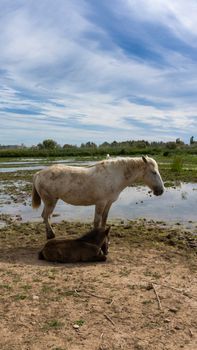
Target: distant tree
{"type": "Point", "coordinates": [105, 144]}
{"type": "Point", "coordinates": [192, 140]}
{"type": "Point", "coordinates": [114, 144]}
{"type": "Point", "coordinates": [179, 141]}
{"type": "Point", "coordinates": [141, 144]}
{"type": "Point", "coordinates": [69, 146]}
{"type": "Point", "coordinates": [48, 144]}
{"type": "Point", "coordinates": [90, 144]}
{"type": "Point", "coordinates": [40, 146]}
{"type": "Point", "coordinates": [171, 145]}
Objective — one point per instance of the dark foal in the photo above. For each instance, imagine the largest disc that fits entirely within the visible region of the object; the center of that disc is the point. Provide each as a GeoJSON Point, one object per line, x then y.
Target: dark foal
{"type": "Point", "coordinates": [86, 248]}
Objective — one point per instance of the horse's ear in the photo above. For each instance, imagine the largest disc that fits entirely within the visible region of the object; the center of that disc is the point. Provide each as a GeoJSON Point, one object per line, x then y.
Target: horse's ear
{"type": "Point", "coordinates": [144, 159]}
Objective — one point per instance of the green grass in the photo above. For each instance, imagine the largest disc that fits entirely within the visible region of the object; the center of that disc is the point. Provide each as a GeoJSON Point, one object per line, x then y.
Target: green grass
{"type": "Point", "coordinates": [177, 164]}
{"type": "Point", "coordinates": [79, 322]}
{"type": "Point", "coordinates": [26, 287]}
{"type": "Point", "coordinates": [53, 324]}
{"type": "Point", "coordinates": [47, 288]}
{"type": "Point", "coordinates": [5, 286]}
{"type": "Point", "coordinates": [20, 297]}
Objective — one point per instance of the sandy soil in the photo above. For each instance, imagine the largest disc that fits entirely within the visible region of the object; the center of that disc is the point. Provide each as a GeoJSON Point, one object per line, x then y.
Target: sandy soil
{"type": "Point", "coordinates": [144, 297]}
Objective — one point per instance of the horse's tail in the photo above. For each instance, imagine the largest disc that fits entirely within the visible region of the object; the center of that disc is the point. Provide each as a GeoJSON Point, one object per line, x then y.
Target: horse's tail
{"type": "Point", "coordinates": [36, 200]}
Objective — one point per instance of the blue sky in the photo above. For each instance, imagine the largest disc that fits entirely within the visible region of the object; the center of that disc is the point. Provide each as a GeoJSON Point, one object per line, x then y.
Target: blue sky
{"type": "Point", "coordinates": [97, 70]}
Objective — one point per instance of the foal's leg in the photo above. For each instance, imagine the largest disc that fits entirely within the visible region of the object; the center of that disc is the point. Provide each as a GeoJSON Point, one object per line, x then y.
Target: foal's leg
{"type": "Point", "coordinates": [49, 206]}
{"type": "Point", "coordinates": [99, 258]}
{"type": "Point", "coordinates": [99, 208]}
{"type": "Point", "coordinates": [95, 254]}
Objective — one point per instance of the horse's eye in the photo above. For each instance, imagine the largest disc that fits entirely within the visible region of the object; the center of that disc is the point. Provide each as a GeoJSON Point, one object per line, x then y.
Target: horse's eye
{"type": "Point", "coordinates": [154, 172]}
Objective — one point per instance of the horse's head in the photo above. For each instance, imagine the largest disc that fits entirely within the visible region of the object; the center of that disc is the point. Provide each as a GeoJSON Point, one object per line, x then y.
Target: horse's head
{"type": "Point", "coordinates": [152, 177]}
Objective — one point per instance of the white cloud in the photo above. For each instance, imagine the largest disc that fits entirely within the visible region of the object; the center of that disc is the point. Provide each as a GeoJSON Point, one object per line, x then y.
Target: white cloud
{"type": "Point", "coordinates": [52, 67]}
{"type": "Point", "coordinates": [178, 15]}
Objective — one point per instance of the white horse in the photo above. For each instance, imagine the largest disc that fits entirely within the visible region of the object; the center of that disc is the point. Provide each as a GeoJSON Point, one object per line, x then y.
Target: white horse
{"type": "Point", "coordinates": [98, 185]}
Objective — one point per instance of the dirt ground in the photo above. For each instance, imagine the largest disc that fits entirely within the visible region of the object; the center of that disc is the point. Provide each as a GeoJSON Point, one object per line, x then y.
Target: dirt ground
{"type": "Point", "coordinates": [144, 297]}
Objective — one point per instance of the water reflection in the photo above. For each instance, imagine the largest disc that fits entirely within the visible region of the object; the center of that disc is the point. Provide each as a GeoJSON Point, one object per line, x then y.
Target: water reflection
{"type": "Point", "coordinates": [38, 165]}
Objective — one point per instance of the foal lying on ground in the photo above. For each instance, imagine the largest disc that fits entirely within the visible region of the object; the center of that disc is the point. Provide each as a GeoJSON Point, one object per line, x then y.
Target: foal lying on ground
{"type": "Point", "coordinates": [93, 246]}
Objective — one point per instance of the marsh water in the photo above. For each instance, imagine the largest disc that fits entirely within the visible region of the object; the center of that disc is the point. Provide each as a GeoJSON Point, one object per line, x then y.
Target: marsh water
{"type": "Point", "coordinates": [177, 205]}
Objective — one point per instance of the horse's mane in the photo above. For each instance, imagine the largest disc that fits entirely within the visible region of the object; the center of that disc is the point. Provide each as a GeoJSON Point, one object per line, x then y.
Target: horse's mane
{"type": "Point", "coordinates": [135, 162]}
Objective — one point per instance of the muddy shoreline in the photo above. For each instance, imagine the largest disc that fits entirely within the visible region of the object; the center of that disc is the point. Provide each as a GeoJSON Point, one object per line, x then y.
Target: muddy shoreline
{"type": "Point", "coordinates": [133, 232]}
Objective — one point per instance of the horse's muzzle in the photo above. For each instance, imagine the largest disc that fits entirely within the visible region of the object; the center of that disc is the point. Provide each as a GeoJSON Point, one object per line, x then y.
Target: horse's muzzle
{"type": "Point", "coordinates": [158, 191]}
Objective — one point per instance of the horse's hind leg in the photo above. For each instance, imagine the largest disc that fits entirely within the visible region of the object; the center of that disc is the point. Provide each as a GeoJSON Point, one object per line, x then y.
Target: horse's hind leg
{"type": "Point", "coordinates": [49, 206]}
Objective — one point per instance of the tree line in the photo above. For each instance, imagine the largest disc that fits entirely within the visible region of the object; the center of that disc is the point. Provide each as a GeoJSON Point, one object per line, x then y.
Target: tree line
{"type": "Point", "coordinates": [52, 144]}
{"type": "Point", "coordinates": [50, 147]}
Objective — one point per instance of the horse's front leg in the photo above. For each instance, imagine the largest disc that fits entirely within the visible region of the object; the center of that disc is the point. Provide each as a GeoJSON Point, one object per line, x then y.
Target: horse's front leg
{"type": "Point", "coordinates": [99, 208]}
{"type": "Point", "coordinates": [105, 214]}
{"type": "Point", "coordinates": [105, 245]}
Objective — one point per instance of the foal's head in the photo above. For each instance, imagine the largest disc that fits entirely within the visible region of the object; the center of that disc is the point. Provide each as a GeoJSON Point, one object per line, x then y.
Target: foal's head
{"type": "Point", "coordinates": [99, 237]}
{"type": "Point", "coordinates": [152, 177]}
{"type": "Point", "coordinates": [106, 242]}
{"type": "Point", "coordinates": [102, 236]}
